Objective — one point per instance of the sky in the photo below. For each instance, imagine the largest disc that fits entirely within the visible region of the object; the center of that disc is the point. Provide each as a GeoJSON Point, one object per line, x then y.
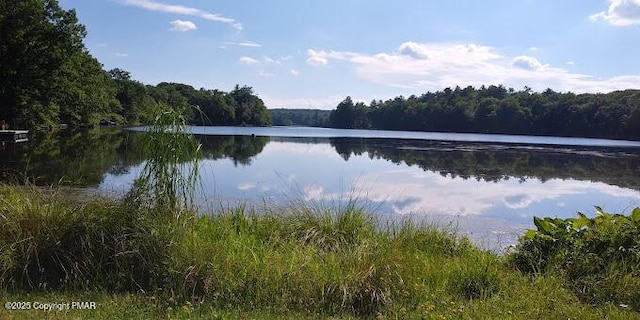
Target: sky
{"type": "Point", "coordinates": [314, 53]}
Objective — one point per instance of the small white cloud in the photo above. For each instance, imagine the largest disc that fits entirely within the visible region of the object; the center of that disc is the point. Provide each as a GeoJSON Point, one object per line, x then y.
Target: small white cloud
{"type": "Point", "coordinates": [317, 58]}
{"type": "Point", "coordinates": [100, 45]}
{"type": "Point", "coordinates": [527, 63]}
{"type": "Point", "coordinates": [249, 44]}
{"type": "Point", "coordinates": [295, 72]}
{"type": "Point", "coordinates": [249, 60]}
{"type": "Point", "coordinates": [620, 13]}
{"type": "Point", "coordinates": [413, 50]}
{"type": "Point", "coordinates": [534, 49]}
{"type": "Point", "coordinates": [182, 25]}
{"type": "Point", "coordinates": [121, 55]}
{"type": "Point", "coordinates": [571, 63]}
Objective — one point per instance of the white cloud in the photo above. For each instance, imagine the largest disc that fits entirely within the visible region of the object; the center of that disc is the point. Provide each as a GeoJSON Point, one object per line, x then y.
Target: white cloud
{"type": "Point", "coordinates": [295, 72]}
{"type": "Point", "coordinates": [527, 63]}
{"type": "Point", "coordinates": [182, 25]}
{"type": "Point", "coordinates": [316, 58]}
{"type": "Point", "coordinates": [248, 60]}
{"type": "Point", "coordinates": [620, 13]}
{"type": "Point", "coordinates": [265, 60]}
{"type": "Point", "coordinates": [121, 55]}
{"type": "Point", "coordinates": [178, 9]}
{"type": "Point", "coordinates": [413, 50]}
{"type": "Point", "coordinates": [449, 65]}
{"type": "Point", "coordinates": [571, 63]}
{"type": "Point", "coordinates": [249, 44]}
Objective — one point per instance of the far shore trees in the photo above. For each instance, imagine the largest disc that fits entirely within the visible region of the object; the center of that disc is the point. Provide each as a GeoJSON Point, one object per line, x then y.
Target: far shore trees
{"type": "Point", "coordinates": [496, 109]}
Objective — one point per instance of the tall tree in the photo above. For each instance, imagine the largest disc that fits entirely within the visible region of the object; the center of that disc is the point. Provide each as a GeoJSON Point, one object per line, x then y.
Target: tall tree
{"type": "Point", "coordinates": [37, 38]}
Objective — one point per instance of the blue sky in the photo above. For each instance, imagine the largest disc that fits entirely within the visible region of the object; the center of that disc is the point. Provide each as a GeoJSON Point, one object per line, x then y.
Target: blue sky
{"type": "Point", "coordinates": [313, 53]}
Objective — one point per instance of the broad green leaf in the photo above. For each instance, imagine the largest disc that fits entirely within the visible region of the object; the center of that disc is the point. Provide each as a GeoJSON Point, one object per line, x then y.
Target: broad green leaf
{"type": "Point", "coordinates": [530, 234]}
{"type": "Point", "coordinates": [635, 215]}
{"type": "Point", "coordinates": [580, 222]}
{"type": "Point", "coordinates": [599, 211]}
{"type": "Point", "coordinates": [543, 225]}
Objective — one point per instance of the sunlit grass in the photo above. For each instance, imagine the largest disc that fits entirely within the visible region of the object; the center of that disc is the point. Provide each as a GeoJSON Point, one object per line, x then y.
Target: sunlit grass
{"type": "Point", "coordinates": [236, 263]}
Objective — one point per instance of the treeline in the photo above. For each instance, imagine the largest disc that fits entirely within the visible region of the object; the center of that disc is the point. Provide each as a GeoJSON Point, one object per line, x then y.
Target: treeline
{"type": "Point", "coordinates": [48, 77]}
{"type": "Point", "coordinates": [496, 109]}
{"type": "Point", "coordinates": [300, 117]}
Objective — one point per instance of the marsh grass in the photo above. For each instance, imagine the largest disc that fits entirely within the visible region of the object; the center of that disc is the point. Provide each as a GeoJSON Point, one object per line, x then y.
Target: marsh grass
{"type": "Point", "coordinates": [50, 240]}
{"type": "Point", "coordinates": [308, 262]}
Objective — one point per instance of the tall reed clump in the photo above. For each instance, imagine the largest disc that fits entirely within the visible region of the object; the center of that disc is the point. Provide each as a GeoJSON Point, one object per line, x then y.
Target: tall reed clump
{"type": "Point", "coordinates": [172, 154]}
{"type": "Point", "coordinates": [599, 257]}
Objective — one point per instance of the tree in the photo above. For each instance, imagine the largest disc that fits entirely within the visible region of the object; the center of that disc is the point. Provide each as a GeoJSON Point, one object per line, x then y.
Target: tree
{"type": "Point", "coordinates": [250, 109]}
{"type": "Point", "coordinates": [37, 38]}
{"type": "Point", "coordinates": [344, 114]}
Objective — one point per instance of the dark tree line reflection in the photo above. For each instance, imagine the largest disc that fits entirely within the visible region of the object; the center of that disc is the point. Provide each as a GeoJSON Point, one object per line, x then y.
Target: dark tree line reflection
{"type": "Point", "coordinates": [493, 163]}
{"type": "Point", "coordinates": [82, 158]}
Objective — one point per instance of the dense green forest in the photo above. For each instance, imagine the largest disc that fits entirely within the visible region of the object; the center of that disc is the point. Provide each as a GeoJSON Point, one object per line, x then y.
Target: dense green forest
{"type": "Point", "coordinates": [496, 109]}
{"type": "Point", "coordinates": [48, 77]}
{"type": "Point", "coordinates": [300, 117]}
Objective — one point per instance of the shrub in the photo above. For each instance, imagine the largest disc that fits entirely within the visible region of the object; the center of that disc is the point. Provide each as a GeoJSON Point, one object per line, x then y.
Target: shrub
{"type": "Point", "coordinates": [599, 256]}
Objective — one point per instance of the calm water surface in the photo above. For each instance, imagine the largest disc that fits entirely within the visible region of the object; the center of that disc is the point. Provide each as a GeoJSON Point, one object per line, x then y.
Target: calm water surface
{"type": "Point", "coordinates": [488, 186]}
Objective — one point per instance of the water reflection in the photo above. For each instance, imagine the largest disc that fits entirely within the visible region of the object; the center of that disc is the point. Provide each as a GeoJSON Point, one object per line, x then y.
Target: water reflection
{"type": "Point", "coordinates": [486, 190]}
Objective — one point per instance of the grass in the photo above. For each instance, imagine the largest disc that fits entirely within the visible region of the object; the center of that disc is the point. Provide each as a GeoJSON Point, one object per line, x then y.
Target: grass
{"type": "Point", "coordinates": [138, 261]}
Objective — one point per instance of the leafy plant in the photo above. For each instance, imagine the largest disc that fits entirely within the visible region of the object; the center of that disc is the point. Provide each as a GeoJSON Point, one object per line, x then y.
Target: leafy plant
{"type": "Point", "coordinates": [599, 256]}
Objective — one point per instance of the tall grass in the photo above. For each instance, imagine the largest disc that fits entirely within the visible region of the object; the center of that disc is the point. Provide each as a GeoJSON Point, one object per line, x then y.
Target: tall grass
{"type": "Point", "coordinates": [172, 157]}
{"type": "Point", "coordinates": [305, 262]}
{"type": "Point", "coordinates": [49, 240]}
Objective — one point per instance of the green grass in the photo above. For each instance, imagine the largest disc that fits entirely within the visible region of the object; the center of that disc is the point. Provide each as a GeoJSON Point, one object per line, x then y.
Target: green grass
{"type": "Point", "coordinates": [137, 260]}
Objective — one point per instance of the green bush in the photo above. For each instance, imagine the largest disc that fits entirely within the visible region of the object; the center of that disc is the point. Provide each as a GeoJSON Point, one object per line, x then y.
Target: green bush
{"type": "Point", "coordinates": [600, 256]}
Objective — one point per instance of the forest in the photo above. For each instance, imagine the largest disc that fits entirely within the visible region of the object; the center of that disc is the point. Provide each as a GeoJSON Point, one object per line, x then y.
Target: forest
{"type": "Point", "coordinates": [496, 109]}
{"type": "Point", "coordinates": [300, 117]}
{"type": "Point", "coordinates": [48, 78]}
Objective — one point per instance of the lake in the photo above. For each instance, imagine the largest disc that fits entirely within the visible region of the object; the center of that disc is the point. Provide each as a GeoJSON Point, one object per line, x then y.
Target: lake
{"type": "Point", "coordinates": [488, 187]}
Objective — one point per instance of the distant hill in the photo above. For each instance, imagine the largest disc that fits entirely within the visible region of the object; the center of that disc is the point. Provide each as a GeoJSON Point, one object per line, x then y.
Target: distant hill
{"type": "Point", "coordinates": [300, 117]}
